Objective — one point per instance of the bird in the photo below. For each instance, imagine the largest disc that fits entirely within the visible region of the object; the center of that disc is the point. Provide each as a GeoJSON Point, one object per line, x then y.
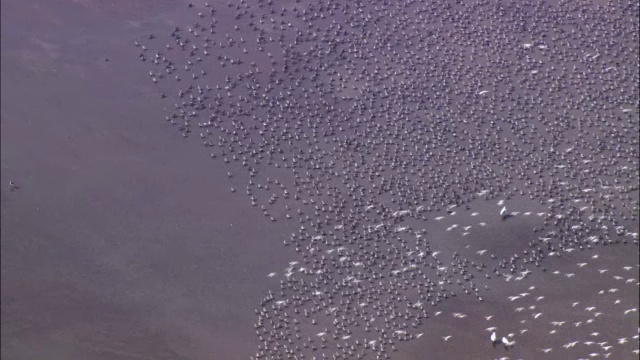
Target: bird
{"type": "Point", "coordinates": [446, 338]}
{"type": "Point", "coordinates": [535, 316]}
{"type": "Point", "coordinates": [494, 338]}
{"type": "Point", "coordinates": [507, 344]}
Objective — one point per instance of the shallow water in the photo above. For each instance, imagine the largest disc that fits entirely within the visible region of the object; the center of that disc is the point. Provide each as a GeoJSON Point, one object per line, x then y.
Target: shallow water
{"type": "Point", "coordinates": [352, 139]}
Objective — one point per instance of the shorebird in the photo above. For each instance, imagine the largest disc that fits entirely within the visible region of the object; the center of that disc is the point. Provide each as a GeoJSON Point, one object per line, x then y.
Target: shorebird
{"type": "Point", "coordinates": [494, 338]}
{"type": "Point", "coordinates": [507, 344]}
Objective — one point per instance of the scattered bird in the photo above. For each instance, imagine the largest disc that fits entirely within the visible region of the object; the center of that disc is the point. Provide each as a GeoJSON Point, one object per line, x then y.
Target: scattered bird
{"type": "Point", "coordinates": [494, 338]}
{"type": "Point", "coordinates": [507, 344]}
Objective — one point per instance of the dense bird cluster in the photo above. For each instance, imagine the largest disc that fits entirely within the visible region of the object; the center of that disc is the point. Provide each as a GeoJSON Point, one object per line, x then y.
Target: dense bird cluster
{"type": "Point", "coordinates": [394, 132]}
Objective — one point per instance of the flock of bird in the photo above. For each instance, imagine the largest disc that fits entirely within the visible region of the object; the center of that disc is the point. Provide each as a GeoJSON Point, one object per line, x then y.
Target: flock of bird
{"type": "Point", "coordinates": [424, 151]}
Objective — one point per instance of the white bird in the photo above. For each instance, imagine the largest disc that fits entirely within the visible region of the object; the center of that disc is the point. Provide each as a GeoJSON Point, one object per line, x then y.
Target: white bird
{"type": "Point", "coordinates": [570, 345]}
{"type": "Point", "coordinates": [446, 338]}
{"type": "Point", "coordinates": [547, 350]}
{"type": "Point", "coordinates": [503, 212]}
{"type": "Point", "coordinates": [507, 343]}
{"type": "Point", "coordinates": [494, 337]}
{"type": "Point", "coordinates": [272, 274]}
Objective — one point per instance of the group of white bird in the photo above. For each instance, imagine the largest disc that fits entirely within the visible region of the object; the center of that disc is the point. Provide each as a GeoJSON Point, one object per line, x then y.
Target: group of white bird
{"type": "Point", "coordinates": [504, 341]}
